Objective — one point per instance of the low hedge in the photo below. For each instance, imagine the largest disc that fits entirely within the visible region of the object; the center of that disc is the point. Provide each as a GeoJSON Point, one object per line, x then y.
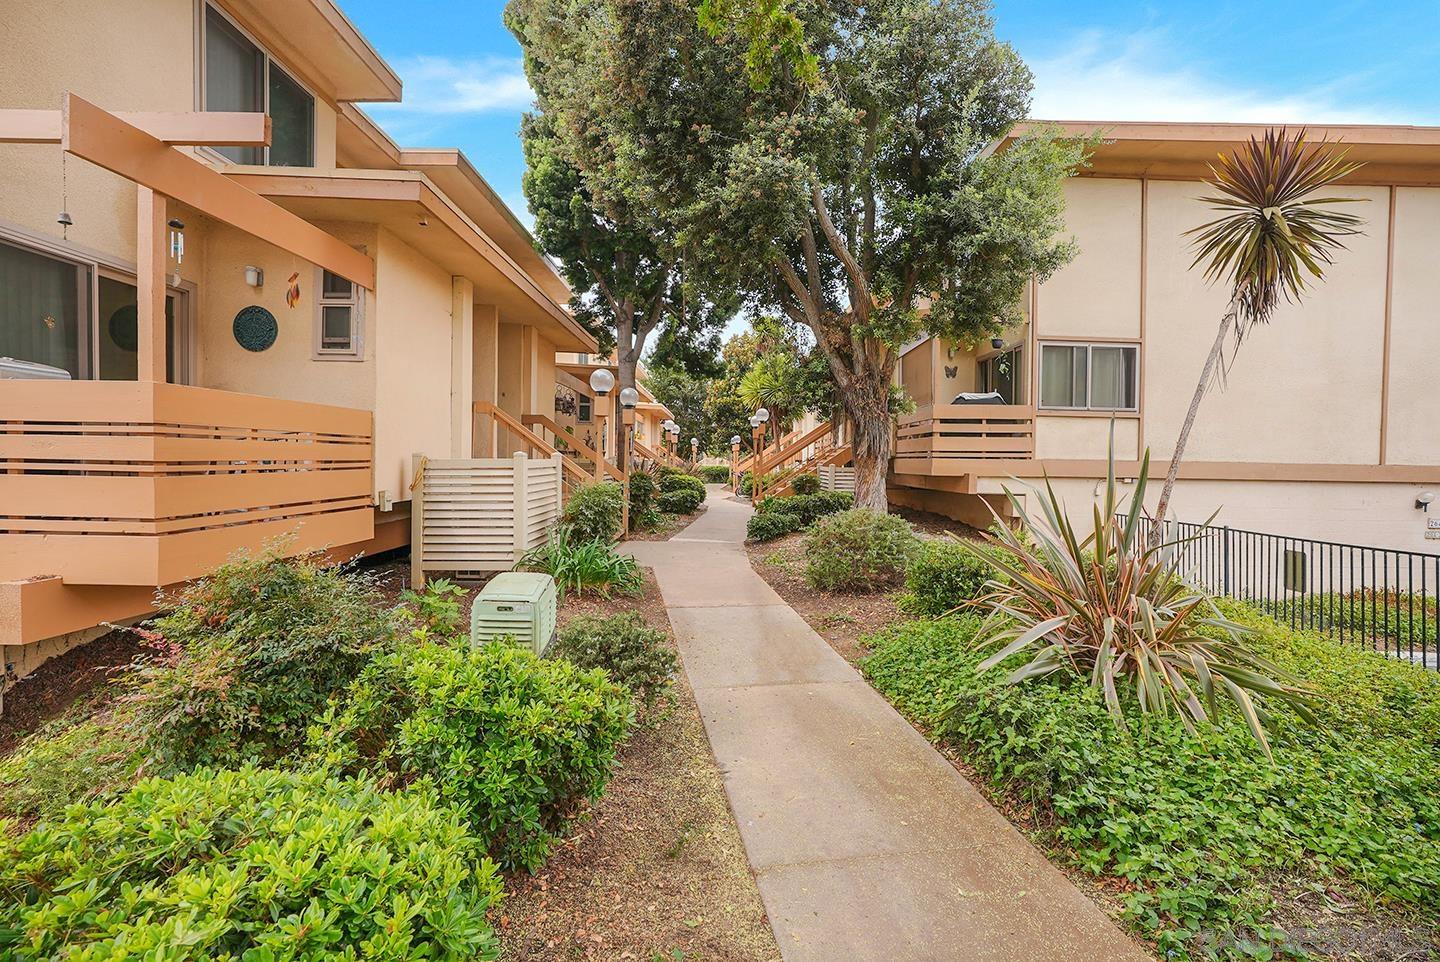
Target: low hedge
{"type": "Point", "coordinates": [1201, 828]}
{"type": "Point", "coordinates": [252, 863]}
{"type": "Point", "coordinates": [775, 517]}
{"type": "Point", "coordinates": [943, 576]}
{"type": "Point", "coordinates": [593, 512]}
{"type": "Point", "coordinates": [631, 652]}
{"type": "Point", "coordinates": [512, 740]}
{"type": "Point", "coordinates": [680, 500]}
{"type": "Point", "coordinates": [806, 484]}
{"type": "Point", "coordinates": [715, 474]}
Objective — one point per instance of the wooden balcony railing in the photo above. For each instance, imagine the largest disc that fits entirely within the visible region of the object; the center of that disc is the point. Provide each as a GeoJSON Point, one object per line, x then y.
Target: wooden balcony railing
{"type": "Point", "coordinates": [141, 483]}
{"type": "Point", "coordinates": [938, 436]}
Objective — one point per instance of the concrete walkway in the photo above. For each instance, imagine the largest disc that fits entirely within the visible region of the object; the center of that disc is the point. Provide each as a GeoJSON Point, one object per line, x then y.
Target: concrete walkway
{"type": "Point", "coordinates": [866, 843]}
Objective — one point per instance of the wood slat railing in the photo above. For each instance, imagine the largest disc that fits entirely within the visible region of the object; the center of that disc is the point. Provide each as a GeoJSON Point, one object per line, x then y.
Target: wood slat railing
{"type": "Point", "coordinates": [793, 448]}
{"type": "Point", "coordinates": [534, 441]}
{"type": "Point", "coordinates": [575, 443]}
{"type": "Point", "coordinates": [140, 483]}
{"type": "Point", "coordinates": [938, 433]}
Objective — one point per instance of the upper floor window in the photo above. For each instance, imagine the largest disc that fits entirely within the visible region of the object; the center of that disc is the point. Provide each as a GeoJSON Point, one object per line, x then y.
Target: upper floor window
{"type": "Point", "coordinates": [339, 320]}
{"type": "Point", "coordinates": [240, 76]}
{"type": "Point", "coordinates": [1094, 377]}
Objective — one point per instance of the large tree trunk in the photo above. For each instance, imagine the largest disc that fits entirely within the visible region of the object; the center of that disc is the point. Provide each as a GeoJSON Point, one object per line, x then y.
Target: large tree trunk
{"type": "Point", "coordinates": [866, 398]}
{"type": "Point", "coordinates": [1207, 375]}
{"type": "Point", "coordinates": [626, 361]}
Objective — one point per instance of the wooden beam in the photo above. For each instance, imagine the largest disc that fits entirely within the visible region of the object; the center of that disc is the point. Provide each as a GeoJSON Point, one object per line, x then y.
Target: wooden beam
{"type": "Point", "coordinates": [150, 259]}
{"type": "Point", "coordinates": [105, 140]}
{"type": "Point", "coordinates": [217, 129]}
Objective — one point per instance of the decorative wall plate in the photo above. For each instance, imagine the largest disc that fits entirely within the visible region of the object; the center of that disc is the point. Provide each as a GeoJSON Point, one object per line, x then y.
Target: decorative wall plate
{"type": "Point", "coordinates": [124, 327]}
{"type": "Point", "coordinates": [255, 328]}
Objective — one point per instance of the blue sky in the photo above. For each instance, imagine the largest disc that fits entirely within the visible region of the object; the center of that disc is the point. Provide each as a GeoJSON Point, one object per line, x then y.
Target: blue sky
{"type": "Point", "coordinates": [1337, 61]}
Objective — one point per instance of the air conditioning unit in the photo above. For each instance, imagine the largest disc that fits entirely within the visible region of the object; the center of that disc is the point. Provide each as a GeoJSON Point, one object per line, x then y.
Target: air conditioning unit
{"type": "Point", "coordinates": [519, 605]}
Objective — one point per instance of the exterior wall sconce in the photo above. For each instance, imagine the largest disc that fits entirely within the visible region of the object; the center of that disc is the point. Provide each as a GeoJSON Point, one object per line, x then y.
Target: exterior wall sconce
{"type": "Point", "coordinates": [254, 276]}
{"type": "Point", "coordinates": [1422, 503]}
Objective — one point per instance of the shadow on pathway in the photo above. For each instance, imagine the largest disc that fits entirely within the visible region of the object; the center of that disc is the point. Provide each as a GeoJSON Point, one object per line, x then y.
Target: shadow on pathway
{"type": "Point", "coordinates": [866, 843]}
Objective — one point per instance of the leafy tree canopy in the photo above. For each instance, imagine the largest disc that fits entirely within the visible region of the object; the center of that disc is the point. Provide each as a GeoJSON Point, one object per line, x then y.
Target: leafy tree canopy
{"type": "Point", "coordinates": [863, 201]}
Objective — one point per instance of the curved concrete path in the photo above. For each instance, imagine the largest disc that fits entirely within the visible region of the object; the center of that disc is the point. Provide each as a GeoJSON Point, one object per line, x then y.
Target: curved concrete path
{"type": "Point", "coordinates": [866, 844]}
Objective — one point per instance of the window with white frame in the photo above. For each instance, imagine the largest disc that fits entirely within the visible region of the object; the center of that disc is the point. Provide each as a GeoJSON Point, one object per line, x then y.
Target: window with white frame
{"type": "Point", "coordinates": [1089, 377]}
{"type": "Point", "coordinates": [241, 76]}
{"type": "Point", "coordinates": [339, 317]}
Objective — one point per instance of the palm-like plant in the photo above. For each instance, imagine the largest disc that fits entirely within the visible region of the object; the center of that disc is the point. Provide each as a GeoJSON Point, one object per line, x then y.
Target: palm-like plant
{"type": "Point", "coordinates": [775, 383]}
{"type": "Point", "coordinates": [1273, 237]}
{"type": "Point", "coordinates": [1111, 608]}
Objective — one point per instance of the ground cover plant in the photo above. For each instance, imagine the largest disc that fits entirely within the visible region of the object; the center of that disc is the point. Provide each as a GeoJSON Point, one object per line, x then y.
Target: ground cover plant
{"type": "Point", "coordinates": [858, 550]}
{"type": "Point", "coordinates": [246, 658]}
{"type": "Point", "coordinates": [251, 863]}
{"type": "Point", "coordinates": [632, 653]}
{"type": "Point", "coordinates": [72, 759]}
{"type": "Point", "coordinates": [775, 517]}
{"type": "Point", "coordinates": [583, 566]}
{"type": "Point", "coordinates": [1203, 830]}
{"type": "Point", "coordinates": [515, 742]}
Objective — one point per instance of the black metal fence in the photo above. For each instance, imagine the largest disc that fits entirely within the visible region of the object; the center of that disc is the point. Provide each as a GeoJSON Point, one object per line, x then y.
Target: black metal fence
{"type": "Point", "coordinates": [1383, 598]}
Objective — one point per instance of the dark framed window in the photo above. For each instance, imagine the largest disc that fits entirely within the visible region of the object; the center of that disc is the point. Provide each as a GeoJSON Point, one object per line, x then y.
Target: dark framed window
{"type": "Point", "coordinates": [241, 76]}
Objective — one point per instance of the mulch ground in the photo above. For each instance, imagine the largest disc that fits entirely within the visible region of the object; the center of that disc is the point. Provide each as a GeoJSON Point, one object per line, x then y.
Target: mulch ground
{"type": "Point", "coordinates": [658, 872]}
{"type": "Point", "coordinates": [50, 690]}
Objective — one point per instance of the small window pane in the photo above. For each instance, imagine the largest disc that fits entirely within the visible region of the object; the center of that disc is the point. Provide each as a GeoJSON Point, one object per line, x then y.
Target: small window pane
{"type": "Point", "coordinates": [336, 287]}
{"type": "Point", "coordinates": [1062, 376]}
{"type": "Point", "coordinates": [292, 122]}
{"type": "Point", "coordinates": [335, 331]}
{"type": "Point", "coordinates": [1112, 378]}
{"type": "Point", "coordinates": [42, 302]}
{"type": "Point", "coordinates": [586, 409]}
{"type": "Point", "coordinates": [234, 72]}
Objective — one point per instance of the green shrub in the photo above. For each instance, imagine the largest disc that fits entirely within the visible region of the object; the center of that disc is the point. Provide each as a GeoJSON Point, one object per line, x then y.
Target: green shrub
{"type": "Point", "coordinates": [643, 488]}
{"type": "Point", "coordinates": [769, 525]}
{"type": "Point", "coordinates": [715, 473]}
{"type": "Point", "coordinates": [858, 550]}
{"type": "Point", "coordinates": [809, 508]}
{"type": "Point", "coordinates": [514, 741]}
{"type": "Point", "coordinates": [583, 566]}
{"type": "Point", "coordinates": [682, 482]}
{"type": "Point", "coordinates": [251, 863]}
{"type": "Point", "coordinates": [593, 512]}
{"type": "Point", "coordinates": [69, 760]}
{"type": "Point", "coordinates": [942, 576]}
{"type": "Point", "coordinates": [434, 610]}
{"type": "Point", "coordinates": [631, 652]}
{"type": "Point", "coordinates": [680, 501]}
{"type": "Point", "coordinates": [1201, 824]}
{"type": "Point", "coordinates": [251, 655]}
{"type": "Point", "coordinates": [806, 484]}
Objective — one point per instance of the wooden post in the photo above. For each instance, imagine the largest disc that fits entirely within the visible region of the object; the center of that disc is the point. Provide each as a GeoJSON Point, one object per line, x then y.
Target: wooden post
{"type": "Point", "coordinates": [150, 260]}
{"type": "Point", "coordinates": [600, 439]}
{"type": "Point", "coordinates": [758, 447]}
{"type": "Point", "coordinates": [417, 523]}
{"type": "Point", "coordinates": [627, 433]}
{"type": "Point", "coordinates": [522, 517]}
{"type": "Point", "coordinates": [734, 467]}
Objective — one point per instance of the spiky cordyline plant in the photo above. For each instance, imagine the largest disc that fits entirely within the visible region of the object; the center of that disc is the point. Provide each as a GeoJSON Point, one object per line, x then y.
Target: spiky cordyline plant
{"type": "Point", "coordinates": [1272, 237]}
{"type": "Point", "coordinates": [1108, 607]}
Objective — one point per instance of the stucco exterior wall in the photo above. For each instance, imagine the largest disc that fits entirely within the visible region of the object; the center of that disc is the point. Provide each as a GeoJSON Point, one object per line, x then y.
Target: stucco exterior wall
{"type": "Point", "coordinates": [1413, 436]}
{"type": "Point", "coordinates": [1060, 436]}
{"type": "Point", "coordinates": [412, 358]}
{"type": "Point", "coordinates": [1098, 293]}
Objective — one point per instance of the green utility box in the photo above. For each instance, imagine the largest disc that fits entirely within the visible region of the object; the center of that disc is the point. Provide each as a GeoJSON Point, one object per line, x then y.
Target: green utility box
{"type": "Point", "coordinates": [517, 604]}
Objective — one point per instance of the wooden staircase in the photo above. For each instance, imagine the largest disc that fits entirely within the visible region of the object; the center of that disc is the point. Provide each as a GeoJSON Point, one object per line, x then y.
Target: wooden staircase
{"type": "Point", "coordinates": [574, 474]}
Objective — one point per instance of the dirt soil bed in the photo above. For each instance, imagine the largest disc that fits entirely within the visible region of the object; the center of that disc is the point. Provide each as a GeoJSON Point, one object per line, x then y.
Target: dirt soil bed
{"type": "Point", "coordinates": [659, 871]}
{"type": "Point", "coordinates": [48, 692]}
{"type": "Point", "coordinates": [670, 525]}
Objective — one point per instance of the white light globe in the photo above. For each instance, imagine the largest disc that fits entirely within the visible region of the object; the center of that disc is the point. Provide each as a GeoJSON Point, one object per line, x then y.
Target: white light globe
{"type": "Point", "coordinates": [762, 415]}
{"type": "Point", "coordinates": [735, 439]}
{"type": "Point", "coordinates": [601, 381]}
{"type": "Point", "coordinates": [629, 397]}
{"type": "Point", "coordinates": [694, 441]}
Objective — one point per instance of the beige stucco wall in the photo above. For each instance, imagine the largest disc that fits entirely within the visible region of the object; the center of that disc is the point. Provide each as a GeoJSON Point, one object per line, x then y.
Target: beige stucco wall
{"type": "Point", "coordinates": [413, 363]}
{"type": "Point", "coordinates": [1098, 293]}
{"type": "Point", "coordinates": [1079, 436]}
{"type": "Point", "coordinates": [289, 368]}
{"type": "Point", "coordinates": [135, 55]}
{"type": "Point", "coordinates": [1414, 421]}
{"type": "Point", "coordinates": [1305, 388]}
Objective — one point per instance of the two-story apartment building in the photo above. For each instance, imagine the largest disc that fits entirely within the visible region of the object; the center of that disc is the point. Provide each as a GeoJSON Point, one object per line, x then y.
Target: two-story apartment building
{"type": "Point", "coordinates": [331, 303]}
{"type": "Point", "coordinates": [1324, 427]}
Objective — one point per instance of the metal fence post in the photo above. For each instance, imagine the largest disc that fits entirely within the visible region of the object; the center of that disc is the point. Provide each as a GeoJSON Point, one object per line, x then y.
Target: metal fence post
{"type": "Point", "coordinates": [1225, 562]}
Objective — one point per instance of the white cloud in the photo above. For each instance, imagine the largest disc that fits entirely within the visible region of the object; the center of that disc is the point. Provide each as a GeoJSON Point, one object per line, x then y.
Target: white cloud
{"type": "Point", "coordinates": [440, 85]}
{"type": "Point", "coordinates": [1142, 76]}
